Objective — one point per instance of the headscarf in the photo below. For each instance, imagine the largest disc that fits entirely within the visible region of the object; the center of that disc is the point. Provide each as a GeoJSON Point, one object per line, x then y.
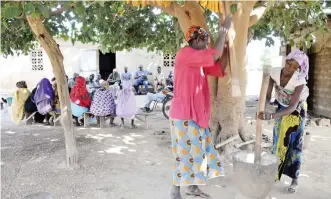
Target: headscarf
{"type": "Point", "coordinates": [79, 94]}
{"type": "Point", "coordinates": [44, 96]}
{"type": "Point", "coordinates": [104, 84]}
{"type": "Point", "coordinates": [126, 100]}
{"type": "Point", "coordinates": [21, 84]}
{"type": "Point", "coordinates": [44, 91]}
{"type": "Point", "coordinates": [195, 32]}
{"type": "Point", "coordinates": [302, 60]}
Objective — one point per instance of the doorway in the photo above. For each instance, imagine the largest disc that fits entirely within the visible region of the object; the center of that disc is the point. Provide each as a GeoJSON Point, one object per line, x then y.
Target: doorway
{"type": "Point", "coordinates": [107, 62]}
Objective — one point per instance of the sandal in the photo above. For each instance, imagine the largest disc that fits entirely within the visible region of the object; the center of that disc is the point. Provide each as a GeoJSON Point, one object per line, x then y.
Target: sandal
{"type": "Point", "coordinates": [292, 189]}
{"type": "Point", "coordinates": [198, 193]}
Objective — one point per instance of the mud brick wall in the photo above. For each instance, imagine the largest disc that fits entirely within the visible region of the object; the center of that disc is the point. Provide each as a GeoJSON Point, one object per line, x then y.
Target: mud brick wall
{"type": "Point", "coordinates": [319, 82]}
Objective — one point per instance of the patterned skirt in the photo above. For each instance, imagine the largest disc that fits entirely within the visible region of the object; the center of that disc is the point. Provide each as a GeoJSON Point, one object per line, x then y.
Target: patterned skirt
{"type": "Point", "coordinates": [288, 141]}
{"type": "Point", "coordinates": [195, 156]}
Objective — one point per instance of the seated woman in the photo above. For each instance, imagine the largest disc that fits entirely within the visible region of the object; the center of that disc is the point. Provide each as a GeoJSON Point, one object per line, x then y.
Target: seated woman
{"type": "Point", "coordinates": [44, 98]}
{"type": "Point", "coordinates": [30, 107]}
{"type": "Point", "coordinates": [103, 103]}
{"type": "Point", "coordinates": [126, 103]}
{"type": "Point", "coordinates": [20, 96]}
{"type": "Point", "coordinates": [80, 99]}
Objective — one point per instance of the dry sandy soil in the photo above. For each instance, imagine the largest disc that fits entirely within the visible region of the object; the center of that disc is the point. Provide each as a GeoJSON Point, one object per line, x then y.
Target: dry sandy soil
{"type": "Point", "coordinates": [128, 164]}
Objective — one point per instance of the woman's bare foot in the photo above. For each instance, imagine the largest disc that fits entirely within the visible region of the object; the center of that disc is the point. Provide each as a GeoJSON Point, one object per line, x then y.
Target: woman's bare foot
{"type": "Point", "coordinates": [175, 193]}
{"type": "Point", "coordinates": [195, 191]}
{"type": "Point", "coordinates": [293, 187]}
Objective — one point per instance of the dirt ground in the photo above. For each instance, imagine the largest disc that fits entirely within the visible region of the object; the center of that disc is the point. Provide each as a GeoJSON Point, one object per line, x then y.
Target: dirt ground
{"type": "Point", "coordinates": [129, 163]}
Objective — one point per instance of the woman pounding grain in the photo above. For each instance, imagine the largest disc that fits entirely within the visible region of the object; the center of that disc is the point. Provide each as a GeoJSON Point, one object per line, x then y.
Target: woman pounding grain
{"type": "Point", "coordinates": [195, 156]}
{"type": "Point", "coordinates": [291, 94]}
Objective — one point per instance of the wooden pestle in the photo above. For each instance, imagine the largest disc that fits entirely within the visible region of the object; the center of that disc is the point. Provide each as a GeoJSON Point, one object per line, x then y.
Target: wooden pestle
{"type": "Point", "coordinates": [262, 101]}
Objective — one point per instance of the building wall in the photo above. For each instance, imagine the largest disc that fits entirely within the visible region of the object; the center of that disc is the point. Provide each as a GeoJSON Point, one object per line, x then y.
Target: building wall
{"type": "Point", "coordinates": [80, 58]}
{"type": "Point", "coordinates": [320, 82]}
{"type": "Point", "coordinates": [132, 59]}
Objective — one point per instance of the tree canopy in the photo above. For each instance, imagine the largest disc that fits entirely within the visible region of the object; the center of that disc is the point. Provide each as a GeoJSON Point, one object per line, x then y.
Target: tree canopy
{"type": "Point", "coordinates": [118, 25]}
{"type": "Point", "coordinates": [284, 19]}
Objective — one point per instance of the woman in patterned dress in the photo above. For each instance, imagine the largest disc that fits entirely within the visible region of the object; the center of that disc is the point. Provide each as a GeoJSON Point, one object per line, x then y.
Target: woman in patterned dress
{"type": "Point", "coordinates": [291, 94]}
{"type": "Point", "coordinates": [195, 156]}
{"type": "Point", "coordinates": [103, 103]}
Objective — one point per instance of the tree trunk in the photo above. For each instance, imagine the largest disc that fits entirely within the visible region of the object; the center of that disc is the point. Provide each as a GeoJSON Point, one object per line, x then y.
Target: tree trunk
{"type": "Point", "coordinates": [231, 110]}
{"type": "Point", "coordinates": [56, 58]}
{"type": "Point", "coordinates": [227, 116]}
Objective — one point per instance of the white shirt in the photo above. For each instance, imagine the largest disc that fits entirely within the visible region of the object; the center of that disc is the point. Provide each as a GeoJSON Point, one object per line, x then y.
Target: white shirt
{"type": "Point", "coordinates": [284, 94]}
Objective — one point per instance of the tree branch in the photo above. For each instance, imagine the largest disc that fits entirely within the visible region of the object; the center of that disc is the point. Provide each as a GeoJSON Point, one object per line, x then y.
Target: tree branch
{"type": "Point", "coordinates": [58, 11]}
{"type": "Point", "coordinates": [256, 15]}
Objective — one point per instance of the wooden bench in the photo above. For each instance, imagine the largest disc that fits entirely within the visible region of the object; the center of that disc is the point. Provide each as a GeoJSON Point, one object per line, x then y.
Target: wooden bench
{"type": "Point", "coordinates": [101, 120]}
{"type": "Point", "coordinates": [56, 119]}
{"type": "Point", "coordinates": [139, 116]}
{"type": "Point", "coordinates": [25, 120]}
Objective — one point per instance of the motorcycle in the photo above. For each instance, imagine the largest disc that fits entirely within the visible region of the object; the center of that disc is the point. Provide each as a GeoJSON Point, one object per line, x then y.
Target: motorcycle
{"type": "Point", "coordinates": [167, 103]}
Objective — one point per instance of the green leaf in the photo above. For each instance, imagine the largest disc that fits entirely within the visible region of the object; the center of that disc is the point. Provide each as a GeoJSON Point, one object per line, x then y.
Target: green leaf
{"type": "Point", "coordinates": [35, 14]}
{"type": "Point", "coordinates": [101, 3]}
{"type": "Point", "coordinates": [44, 10]}
{"type": "Point", "coordinates": [29, 8]}
{"type": "Point", "coordinates": [22, 24]}
{"type": "Point", "coordinates": [308, 43]}
{"type": "Point", "coordinates": [80, 9]}
{"type": "Point", "coordinates": [67, 4]}
{"type": "Point", "coordinates": [65, 37]}
{"type": "Point", "coordinates": [11, 11]}
{"type": "Point", "coordinates": [233, 8]}
{"type": "Point", "coordinates": [307, 36]}
{"type": "Point", "coordinates": [292, 42]}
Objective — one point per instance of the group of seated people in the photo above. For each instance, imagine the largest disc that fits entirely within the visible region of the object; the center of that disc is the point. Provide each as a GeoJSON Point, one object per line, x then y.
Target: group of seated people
{"type": "Point", "coordinates": [102, 102]}
{"type": "Point", "coordinates": [141, 79]}
{"type": "Point", "coordinates": [44, 100]}
{"type": "Point", "coordinates": [91, 94]}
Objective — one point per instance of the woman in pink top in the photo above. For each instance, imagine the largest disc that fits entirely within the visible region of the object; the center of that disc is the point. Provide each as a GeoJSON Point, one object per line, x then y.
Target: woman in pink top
{"type": "Point", "coordinates": [195, 155]}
